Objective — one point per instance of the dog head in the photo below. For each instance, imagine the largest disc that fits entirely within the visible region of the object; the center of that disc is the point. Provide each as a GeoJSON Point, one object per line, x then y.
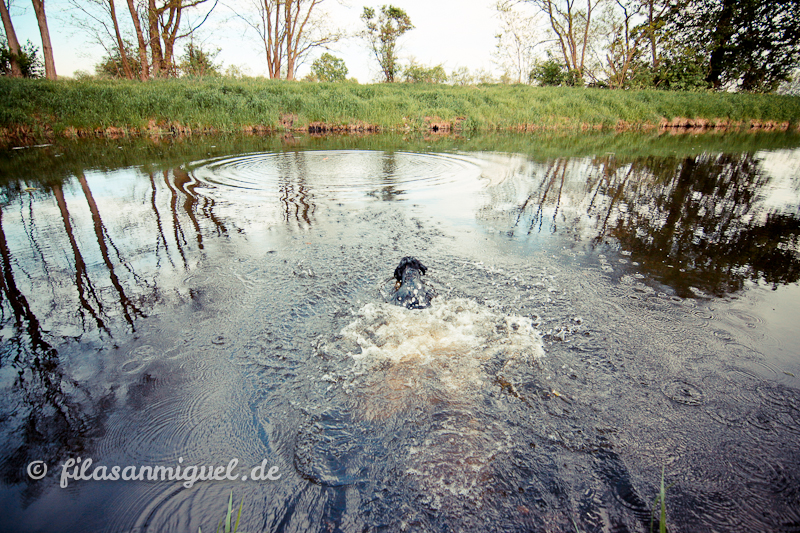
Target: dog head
{"type": "Point", "coordinates": [408, 262]}
{"type": "Point", "coordinates": [410, 290]}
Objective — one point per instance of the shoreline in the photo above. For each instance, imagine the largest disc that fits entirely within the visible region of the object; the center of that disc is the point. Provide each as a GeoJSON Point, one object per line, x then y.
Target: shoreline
{"type": "Point", "coordinates": [22, 135]}
{"type": "Point", "coordinates": [34, 111]}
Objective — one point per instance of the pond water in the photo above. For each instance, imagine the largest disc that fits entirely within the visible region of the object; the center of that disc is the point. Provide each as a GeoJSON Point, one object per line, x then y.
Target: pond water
{"type": "Point", "coordinates": [608, 308]}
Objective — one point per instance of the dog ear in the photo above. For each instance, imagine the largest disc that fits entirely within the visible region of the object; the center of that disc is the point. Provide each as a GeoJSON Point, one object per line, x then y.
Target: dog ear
{"type": "Point", "coordinates": [415, 263]}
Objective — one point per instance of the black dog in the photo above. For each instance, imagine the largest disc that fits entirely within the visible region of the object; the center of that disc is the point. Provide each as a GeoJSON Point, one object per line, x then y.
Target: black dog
{"type": "Point", "coordinates": [410, 291]}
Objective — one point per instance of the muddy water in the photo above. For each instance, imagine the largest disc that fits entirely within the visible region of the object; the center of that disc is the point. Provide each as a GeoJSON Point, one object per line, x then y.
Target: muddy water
{"type": "Point", "coordinates": [600, 317]}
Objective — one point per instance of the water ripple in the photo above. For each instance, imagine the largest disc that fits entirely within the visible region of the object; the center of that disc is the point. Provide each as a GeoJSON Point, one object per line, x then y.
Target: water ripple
{"type": "Point", "coordinates": [338, 175]}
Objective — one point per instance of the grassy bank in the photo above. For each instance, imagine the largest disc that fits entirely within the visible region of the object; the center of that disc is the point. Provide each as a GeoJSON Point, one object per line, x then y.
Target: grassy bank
{"type": "Point", "coordinates": [40, 108]}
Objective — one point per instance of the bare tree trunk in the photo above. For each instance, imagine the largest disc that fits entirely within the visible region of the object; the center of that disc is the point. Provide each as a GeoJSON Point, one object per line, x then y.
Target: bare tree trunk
{"type": "Point", "coordinates": [289, 9]}
{"type": "Point", "coordinates": [145, 72]}
{"type": "Point", "coordinates": [296, 22]}
{"type": "Point", "coordinates": [165, 32]}
{"type": "Point", "coordinates": [47, 47]}
{"type": "Point", "coordinates": [585, 44]}
{"type": "Point", "coordinates": [13, 43]}
{"type": "Point", "coordinates": [123, 54]}
{"type": "Point", "coordinates": [275, 38]}
{"type": "Point", "coordinates": [155, 39]}
{"type": "Point", "coordinates": [284, 27]}
{"type": "Point", "coordinates": [169, 32]}
{"type": "Point", "coordinates": [572, 30]}
{"type": "Point", "coordinates": [652, 34]}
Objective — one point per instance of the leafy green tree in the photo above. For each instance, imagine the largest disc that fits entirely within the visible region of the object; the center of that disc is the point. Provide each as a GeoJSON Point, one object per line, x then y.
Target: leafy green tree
{"type": "Point", "coordinates": [328, 67]}
{"type": "Point", "coordinates": [549, 73]}
{"type": "Point", "coordinates": [28, 60]}
{"type": "Point", "coordinates": [199, 62]}
{"type": "Point", "coordinates": [752, 44]}
{"type": "Point", "coordinates": [111, 66]}
{"type": "Point", "coordinates": [681, 69]}
{"type": "Point", "coordinates": [417, 73]}
{"type": "Point", "coordinates": [382, 33]}
{"type": "Point", "coordinates": [461, 76]}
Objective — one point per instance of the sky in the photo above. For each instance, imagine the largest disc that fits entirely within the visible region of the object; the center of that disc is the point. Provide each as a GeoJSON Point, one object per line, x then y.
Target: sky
{"type": "Point", "coordinates": [455, 33]}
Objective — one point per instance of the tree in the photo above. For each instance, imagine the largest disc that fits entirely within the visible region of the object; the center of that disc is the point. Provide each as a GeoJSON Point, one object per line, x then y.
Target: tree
{"type": "Point", "coordinates": [419, 73]}
{"type": "Point", "coordinates": [548, 73]}
{"type": "Point", "coordinates": [654, 12]}
{"type": "Point", "coordinates": [624, 48]}
{"type": "Point", "coordinates": [144, 67]}
{"type": "Point", "coordinates": [164, 24]}
{"type": "Point", "coordinates": [461, 76]}
{"type": "Point", "coordinates": [680, 68]}
{"type": "Point", "coordinates": [112, 66]}
{"type": "Point", "coordinates": [484, 76]}
{"type": "Point", "coordinates": [11, 49]}
{"type": "Point", "coordinates": [633, 27]}
{"type": "Point", "coordinates": [383, 32]}
{"type": "Point", "coordinates": [573, 28]}
{"type": "Point", "coordinates": [515, 42]}
{"type": "Point", "coordinates": [47, 47]}
{"type": "Point", "coordinates": [167, 22]}
{"type": "Point", "coordinates": [749, 44]}
{"type": "Point", "coordinates": [329, 68]}
{"type": "Point", "coordinates": [28, 63]}
{"type": "Point", "coordinates": [100, 21]}
{"type": "Point", "coordinates": [123, 54]}
{"type": "Point", "coordinates": [198, 62]}
{"type": "Point", "coordinates": [290, 30]}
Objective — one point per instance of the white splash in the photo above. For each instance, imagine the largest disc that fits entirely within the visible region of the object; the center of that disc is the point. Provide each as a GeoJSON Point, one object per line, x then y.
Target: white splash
{"type": "Point", "coordinates": [452, 336]}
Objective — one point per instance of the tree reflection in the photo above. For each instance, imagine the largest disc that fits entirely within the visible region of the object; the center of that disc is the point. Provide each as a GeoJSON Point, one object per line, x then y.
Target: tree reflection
{"type": "Point", "coordinates": [296, 196]}
{"type": "Point", "coordinates": [388, 192]}
{"type": "Point", "coordinates": [554, 176]}
{"type": "Point", "coordinates": [697, 222]}
{"type": "Point", "coordinates": [83, 284]}
{"type": "Point", "coordinates": [700, 222]}
{"type": "Point", "coordinates": [24, 318]}
{"type": "Point", "coordinates": [49, 267]}
{"type": "Point", "coordinates": [52, 413]}
{"type": "Point", "coordinates": [161, 239]}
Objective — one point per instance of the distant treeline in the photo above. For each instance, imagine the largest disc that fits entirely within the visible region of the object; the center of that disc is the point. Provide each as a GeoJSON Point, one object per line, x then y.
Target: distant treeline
{"type": "Point", "coordinates": [694, 45]}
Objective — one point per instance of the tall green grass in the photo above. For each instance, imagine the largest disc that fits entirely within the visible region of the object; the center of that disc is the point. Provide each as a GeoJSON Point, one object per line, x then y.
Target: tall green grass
{"type": "Point", "coordinates": [226, 523]}
{"type": "Point", "coordinates": [660, 505]}
{"type": "Point", "coordinates": [228, 105]}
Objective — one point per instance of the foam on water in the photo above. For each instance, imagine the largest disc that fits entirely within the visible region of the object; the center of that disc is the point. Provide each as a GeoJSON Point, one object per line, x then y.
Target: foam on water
{"type": "Point", "coordinates": [453, 338]}
{"type": "Point", "coordinates": [437, 367]}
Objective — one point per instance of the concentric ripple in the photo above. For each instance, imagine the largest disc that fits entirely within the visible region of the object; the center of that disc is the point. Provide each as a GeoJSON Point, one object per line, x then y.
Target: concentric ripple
{"type": "Point", "coordinates": [337, 175]}
{"type": "Point", "coordinates": [683, 392]}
